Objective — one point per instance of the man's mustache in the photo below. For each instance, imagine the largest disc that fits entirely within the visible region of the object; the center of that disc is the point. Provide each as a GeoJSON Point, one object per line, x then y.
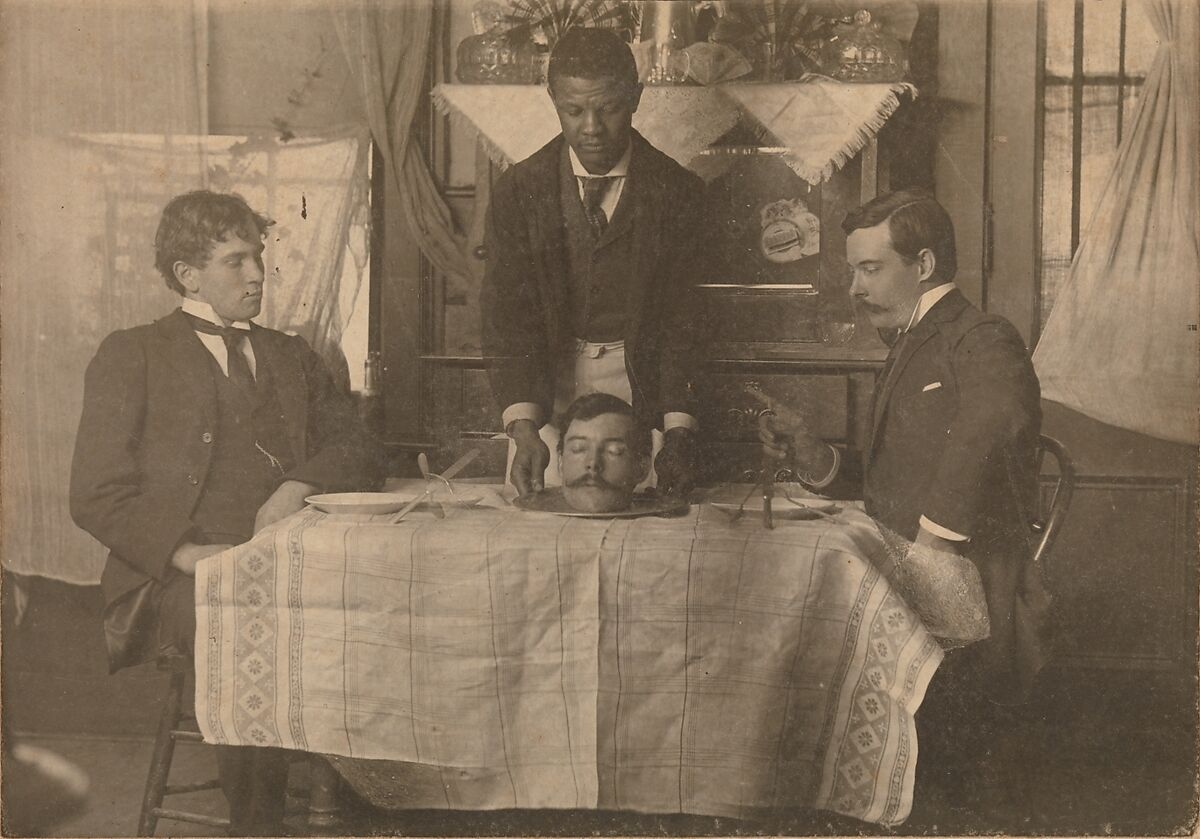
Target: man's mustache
{"type": "Point", "coordinates": [592, 481]}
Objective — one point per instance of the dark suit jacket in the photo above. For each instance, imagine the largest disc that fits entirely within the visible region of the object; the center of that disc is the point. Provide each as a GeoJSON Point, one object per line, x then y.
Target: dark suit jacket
{"type": "Point", "coordinates": [963, 453]}
{"type": "Point", "coordinates": [145, 443]}
{"type": "Point", "coordinates": [526, 324]}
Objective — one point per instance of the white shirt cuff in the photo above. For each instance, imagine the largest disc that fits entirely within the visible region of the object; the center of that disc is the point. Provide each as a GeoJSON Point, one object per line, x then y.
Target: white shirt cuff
{"type": "Point", "coordinates": [678, 419]}
{"type": "Point", "coordinates": [943, 532]}
{"type": "Point", "coordinates": [522, 411]}
{"type": "Point", "coordinates": [833, 470]}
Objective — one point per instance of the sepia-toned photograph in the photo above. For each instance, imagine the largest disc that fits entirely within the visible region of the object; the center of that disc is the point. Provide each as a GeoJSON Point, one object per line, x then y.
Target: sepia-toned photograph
{"type": "Point", "coordinates": [599, 418]}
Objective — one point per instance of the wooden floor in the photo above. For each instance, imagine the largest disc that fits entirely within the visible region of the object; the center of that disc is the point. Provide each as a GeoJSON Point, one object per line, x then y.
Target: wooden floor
{"type": "Point", "coordinates": [1098, 753]}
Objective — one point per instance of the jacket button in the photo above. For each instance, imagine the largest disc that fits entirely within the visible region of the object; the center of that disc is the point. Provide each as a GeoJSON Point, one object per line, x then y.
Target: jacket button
{"type": "Point", "coordinates": [192, 480]}
{"type": "Point", "coordinates": [206, 437]}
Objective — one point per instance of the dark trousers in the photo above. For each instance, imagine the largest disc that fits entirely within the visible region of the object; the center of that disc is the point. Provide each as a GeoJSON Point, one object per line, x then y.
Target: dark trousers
{"type": "Point", "coordinates": [965, 760]}
{"type": "Point", "coordinates": [254, 779]}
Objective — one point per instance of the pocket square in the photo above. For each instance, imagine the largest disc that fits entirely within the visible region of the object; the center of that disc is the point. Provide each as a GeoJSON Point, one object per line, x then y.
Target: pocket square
{"type": "Point", "coordinates": [931, 386]}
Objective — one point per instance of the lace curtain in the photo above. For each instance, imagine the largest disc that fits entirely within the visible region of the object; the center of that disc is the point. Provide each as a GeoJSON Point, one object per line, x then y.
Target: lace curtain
{"type": "Point", "coordinates": [1120, 344]}
{"type": "Point", "coordinates": [105, 122]}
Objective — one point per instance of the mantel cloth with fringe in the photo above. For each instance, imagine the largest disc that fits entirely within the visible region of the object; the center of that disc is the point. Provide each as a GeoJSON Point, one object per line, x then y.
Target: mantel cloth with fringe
{"type": "Point", "coordinates": [498, 659]}
{"type": "Point", "coordinates": [816, 125]}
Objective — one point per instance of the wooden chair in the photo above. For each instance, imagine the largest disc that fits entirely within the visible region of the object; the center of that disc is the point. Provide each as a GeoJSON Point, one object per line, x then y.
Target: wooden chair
{"type": "Point", "coordinates": [1047, 528]}
{"type": "Point", "coordinates": [171, 730]}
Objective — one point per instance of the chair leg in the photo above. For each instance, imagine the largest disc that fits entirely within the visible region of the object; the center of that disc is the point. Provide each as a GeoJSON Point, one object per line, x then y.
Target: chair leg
{"type": "Point", "coordinates": [160, 762]}
{"type": "Point", "coordinates": [324, 808]}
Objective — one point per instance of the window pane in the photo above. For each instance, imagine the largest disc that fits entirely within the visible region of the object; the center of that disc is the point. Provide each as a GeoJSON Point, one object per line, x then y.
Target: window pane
{"type": "Point", "coordinates": [1140, 41]}
{"type": "Point", "coordinates": [1101, 37]}
{"type": "Point", "coordinates": [1056, 193]}
{"type": "Point", "coordinates": [1060, 36]}
{"type": "Point", "coordinates": [1099, 146]}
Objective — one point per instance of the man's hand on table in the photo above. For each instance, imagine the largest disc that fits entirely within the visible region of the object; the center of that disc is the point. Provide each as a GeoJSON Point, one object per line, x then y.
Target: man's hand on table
{"type": "Point", "coordinates": [288, 498]}
{"type": "Point", "coordinates": [795, 447]}
{"type": "Point", "coordinates": [528, 473]}
{"type": "Point", "coordinates": [188, 554]}
{"type": "Point", "coordinates": [678, 462]}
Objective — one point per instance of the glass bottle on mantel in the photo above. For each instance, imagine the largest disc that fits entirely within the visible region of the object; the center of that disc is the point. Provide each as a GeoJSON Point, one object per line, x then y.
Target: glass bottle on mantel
{"type": "Point", "coordinates": [863, 52]}
{"type": "Point", "coordinates": [370, 398]}
{"type": "Point", "coordinates": [496, 57]}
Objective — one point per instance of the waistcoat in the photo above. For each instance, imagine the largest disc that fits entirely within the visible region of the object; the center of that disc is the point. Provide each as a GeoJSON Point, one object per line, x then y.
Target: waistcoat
{"type": "Point", "coordinates": [599, 271]}
{"type": "Point", "coordinates": [240, 476]}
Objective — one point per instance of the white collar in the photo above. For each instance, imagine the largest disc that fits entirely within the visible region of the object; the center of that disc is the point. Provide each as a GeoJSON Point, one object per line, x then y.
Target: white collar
{"type": "Point", "coordinates": [204, 311]}
{"type": "Point", "coordinates": [619, 170]}
{"type": "Point", "coordinates": [927, 301]}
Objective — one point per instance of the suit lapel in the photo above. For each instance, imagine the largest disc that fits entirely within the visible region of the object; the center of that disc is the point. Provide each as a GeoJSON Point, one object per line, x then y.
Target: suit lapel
{"type": "Point", "coordinates": [180, 348]}
{"type": "Point", "coordinates": [948, 308]}
{"type": "Point", "coordinates": [549, 233]}
{"type": "Point", "coordinates": [287, 377]}
{"type": "Point", "coordinates": [908, 346]}
{"type": "Point", "coordinates": [640, 219]}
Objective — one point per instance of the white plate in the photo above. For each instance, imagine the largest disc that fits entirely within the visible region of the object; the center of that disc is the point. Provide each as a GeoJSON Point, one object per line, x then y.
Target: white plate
{"type": "Point", "coordinates": [379, 503]}
{"type": "Point", "coordinates": [804, 506]}
{"type": "Point", "coordinates": [782, 509]}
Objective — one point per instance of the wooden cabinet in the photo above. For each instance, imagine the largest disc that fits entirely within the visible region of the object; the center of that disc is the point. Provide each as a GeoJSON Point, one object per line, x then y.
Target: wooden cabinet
{"type": "Point", "coordinates": [786, 321]}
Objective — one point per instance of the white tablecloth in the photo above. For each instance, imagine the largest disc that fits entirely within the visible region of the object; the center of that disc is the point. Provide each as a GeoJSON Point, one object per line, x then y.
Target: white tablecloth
{"type": "Point", "coordinates": [530, 660]}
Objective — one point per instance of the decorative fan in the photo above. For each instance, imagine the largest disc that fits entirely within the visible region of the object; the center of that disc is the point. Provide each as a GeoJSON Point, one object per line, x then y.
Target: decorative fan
{"type": "Point", "coordinates": [793, 33]}
{"type": "Point", "coordinates": [555, 17]}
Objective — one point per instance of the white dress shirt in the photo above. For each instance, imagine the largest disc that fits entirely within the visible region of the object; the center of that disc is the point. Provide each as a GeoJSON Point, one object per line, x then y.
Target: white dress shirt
{"type": "Point", "coordinates": [214, 343]}
{"type": "Point", "coordinates": [620, 171]}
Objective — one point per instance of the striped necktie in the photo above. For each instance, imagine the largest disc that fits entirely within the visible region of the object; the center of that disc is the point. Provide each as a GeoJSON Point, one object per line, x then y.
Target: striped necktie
{"type": "Point", "coordinates": [594, 190]}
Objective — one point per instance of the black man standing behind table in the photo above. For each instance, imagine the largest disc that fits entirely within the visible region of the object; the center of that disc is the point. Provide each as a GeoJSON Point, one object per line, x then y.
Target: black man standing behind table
{"type": "Point", "coordinates": [197, 431]}
{"type": "Point", "coordinates": [593, 252]}
{"type": "Point", "coordinates": [951, 463]}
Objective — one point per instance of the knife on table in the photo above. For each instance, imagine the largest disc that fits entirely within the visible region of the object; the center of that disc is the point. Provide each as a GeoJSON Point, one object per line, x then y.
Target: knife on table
{"type": "Point", "coordinates": [455, 467]}
{"type": "Point", "coordinates": [423, 465]}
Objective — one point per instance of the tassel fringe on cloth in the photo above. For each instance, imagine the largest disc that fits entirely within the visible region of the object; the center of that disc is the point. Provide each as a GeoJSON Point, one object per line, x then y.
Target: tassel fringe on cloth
{"type": "Point", "coordinates": [817, 125]}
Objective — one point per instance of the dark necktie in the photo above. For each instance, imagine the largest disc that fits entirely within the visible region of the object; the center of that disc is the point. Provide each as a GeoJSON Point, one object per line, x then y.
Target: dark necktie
{"type": "Point", "coordinates": [594, 190]}
{"type": "Point", "coordinates": [236, 363]}
{"type": "Point", "coordinates": [897, 347]}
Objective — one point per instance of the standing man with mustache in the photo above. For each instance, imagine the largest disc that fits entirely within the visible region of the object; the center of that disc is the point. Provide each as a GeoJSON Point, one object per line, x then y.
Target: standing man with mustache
{"type": "Point", "coordinates": [592, 247]}
{"type": "Point", "coordinates": [199, 430]}
{"type": "Point", "coordinates": [951, 463]}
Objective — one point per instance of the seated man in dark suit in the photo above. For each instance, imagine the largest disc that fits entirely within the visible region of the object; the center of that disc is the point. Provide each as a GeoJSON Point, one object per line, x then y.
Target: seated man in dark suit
{"type": "Point", "coordinates": [951, 463]}
{"type": "Point", "coordinates": [197, 431]}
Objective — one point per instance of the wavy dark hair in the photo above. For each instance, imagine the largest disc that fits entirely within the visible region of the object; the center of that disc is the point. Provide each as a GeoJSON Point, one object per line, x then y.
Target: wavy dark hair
{"type": "Point", "coordinates": [915, 221]}
{"type": "Point", "coordinates": [193, 222]}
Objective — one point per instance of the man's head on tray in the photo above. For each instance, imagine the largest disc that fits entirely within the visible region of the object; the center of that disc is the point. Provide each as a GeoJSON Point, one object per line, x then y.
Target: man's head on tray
{"type": "Point", "coordinates": [899, 246]}
{"type": "Point", "coordinates": [594, 85]}
{"type": "Point", "coordinates": [603, 453]}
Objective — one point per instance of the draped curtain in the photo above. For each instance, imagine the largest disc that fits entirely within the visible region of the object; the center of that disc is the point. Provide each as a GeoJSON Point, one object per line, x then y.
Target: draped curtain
{"type": "Point", "coordinates": [1120, 344]}
{"type": "Point", "coordinates": [386, 46]}
{"type": "Point", "coordinates": [105, 121]}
